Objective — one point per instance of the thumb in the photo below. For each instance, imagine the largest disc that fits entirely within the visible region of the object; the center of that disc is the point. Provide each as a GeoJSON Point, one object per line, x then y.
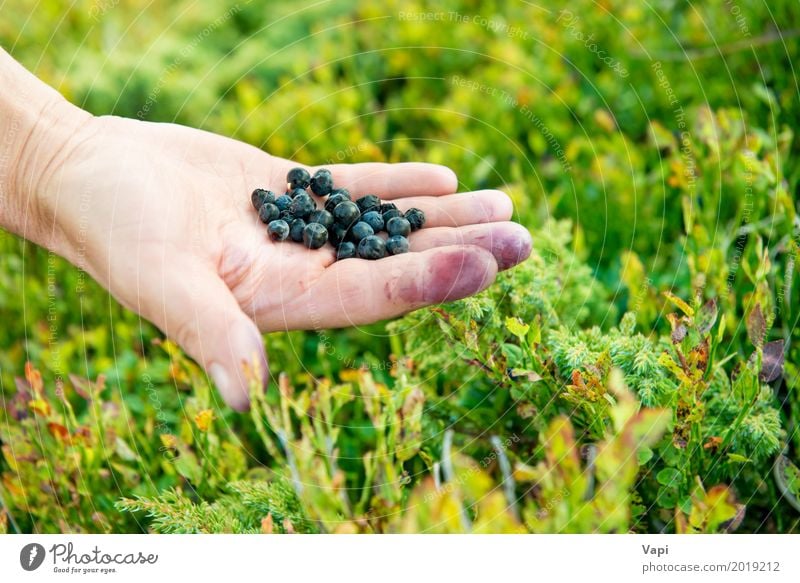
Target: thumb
{"type": "Point", "coordinates": [202, 316]}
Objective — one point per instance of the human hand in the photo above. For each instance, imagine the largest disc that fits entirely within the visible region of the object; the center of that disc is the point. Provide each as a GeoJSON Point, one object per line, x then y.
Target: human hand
{"type": "Point", "coordinates": [160, 215]}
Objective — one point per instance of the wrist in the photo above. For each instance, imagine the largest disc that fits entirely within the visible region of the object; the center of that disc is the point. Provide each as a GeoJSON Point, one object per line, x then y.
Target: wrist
{"type": "Point", "coordinates": [36, 125]}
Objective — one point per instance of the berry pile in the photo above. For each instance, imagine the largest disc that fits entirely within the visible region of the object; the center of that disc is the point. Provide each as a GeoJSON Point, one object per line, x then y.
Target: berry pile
{"type": "Point", "coordinates": [352, 227]}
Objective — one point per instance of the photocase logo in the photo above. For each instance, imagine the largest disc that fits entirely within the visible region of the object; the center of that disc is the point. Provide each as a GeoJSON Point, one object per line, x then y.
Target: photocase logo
{"type": "Point", "coordinates": [31, 556]}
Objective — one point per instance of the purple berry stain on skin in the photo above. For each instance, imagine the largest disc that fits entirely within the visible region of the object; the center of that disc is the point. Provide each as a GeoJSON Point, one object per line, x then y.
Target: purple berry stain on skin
{"type": "Point", "coordinates": [450, 275]}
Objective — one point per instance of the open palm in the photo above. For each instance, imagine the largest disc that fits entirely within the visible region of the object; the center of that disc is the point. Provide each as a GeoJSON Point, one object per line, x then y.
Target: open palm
{"type": "Point", "coordinates": [160, 215]}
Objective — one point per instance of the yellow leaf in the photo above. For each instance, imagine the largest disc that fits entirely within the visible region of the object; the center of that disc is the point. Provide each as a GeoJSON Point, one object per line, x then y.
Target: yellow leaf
{"type": "Point", "coordinates": [681, 305]}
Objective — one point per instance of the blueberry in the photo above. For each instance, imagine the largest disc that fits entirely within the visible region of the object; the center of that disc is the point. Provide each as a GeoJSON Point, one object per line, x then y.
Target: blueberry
{"type": "Point", "coordinates": [314, 235]}
{"type": "Point", "coordinates": [371, 247]}
{"type": "Point", "coordinates": [415, 217]}
{"type": "Point", "coordinates": [343, 191]}
{"type": "Point", "coordinates": [286, 216]}
{"type": "Point", "coordinates": [296, 230]}
{"type": "Point", "coordinates": [298, 178]}
{"type": "Point", "coordinates": [278, 230]}
{"type": "Point", "coordinates": [283, 202]}
{"type": "Point", "coordinates": [260, 197]}
{"type": "Point", "coordinates": [337, 234]}
{"type": "Point", "coordinates": [396, 245]}
{"type": "Point", "coordinates": [296, 192]}
{"type": "Point", "coordinates": [360, 230]}
{"type": "Point", "coordinates": [322, 182]}
{"type": "Point", "coordinates": [374, 220]}
{"type": "Point", "coordinates": [324, 218]}
{"type": "Point", "coordinates": [389, 214]}
{"type": "Point", "coordinates": [398, 226]}
{"type": "Point", "coordinates": [268, 212]}
{"type": "Point", "coordinates": [346, 250]}
{"type": "Point", "coordinates": [368, 203]}
{"type": "Point", "coordinates": [302, 206]}
{"type": "Point", "coordinates": [346, 213]}
{"type": "Point", "coordinates": [334, 199]}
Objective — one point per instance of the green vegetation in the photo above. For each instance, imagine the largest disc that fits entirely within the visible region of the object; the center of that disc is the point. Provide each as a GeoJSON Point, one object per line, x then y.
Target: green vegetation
{"type": "Point", "coordinates": [638, 373]}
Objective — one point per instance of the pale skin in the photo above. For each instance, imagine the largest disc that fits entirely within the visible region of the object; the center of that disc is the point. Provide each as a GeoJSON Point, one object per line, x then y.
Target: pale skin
{"type": "Point", "coordinates": [160, 215]}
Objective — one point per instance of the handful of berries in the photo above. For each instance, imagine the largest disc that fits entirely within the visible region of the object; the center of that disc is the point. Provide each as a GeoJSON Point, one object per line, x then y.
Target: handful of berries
{"type": "Point", "coordinates": [351, 227]}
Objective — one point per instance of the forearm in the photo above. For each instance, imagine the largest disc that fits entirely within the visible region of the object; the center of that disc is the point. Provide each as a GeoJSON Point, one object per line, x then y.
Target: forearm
{"type": "Point", "coordinates": [36, 124]}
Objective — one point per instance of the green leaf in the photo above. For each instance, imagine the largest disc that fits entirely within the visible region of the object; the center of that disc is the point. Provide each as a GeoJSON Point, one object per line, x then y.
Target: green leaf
{"type": "Point", "coordinates": [735, 457]}
{"type": "Point", "coordinates": [644, 455]}
{"type": "Point", "coordinates": [517, 327]}
{"type": "Point", "coordinates": [669, 477]}
{"type": "Point", "coordinates": [679, 303]}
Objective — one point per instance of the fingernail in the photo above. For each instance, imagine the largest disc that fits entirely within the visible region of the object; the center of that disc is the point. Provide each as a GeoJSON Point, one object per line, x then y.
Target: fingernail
{"type": "Point", "coordinates": [223, 383]}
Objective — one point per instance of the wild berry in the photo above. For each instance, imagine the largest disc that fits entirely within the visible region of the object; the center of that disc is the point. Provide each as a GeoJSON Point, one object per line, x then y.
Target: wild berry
{"type": "Point", "coordinates": [296, 230]}
{"type": "Point", "coordinates": [286, 216]}
{"type": "Point", "coordinates": [334, 199]}
{"type": "Point", "coordinates": [278, 230]}
{"type": "Point", "coordinates": [398, 226]}
{"type": "Point", "coordinates": [374, 220]}
{"type": "Point", "coordinates": [302, 205]}
{"type": "Point", "coordinates": [389, 214]}
{"type": "Point", "coordinates": [268, 212]}
{"type": "Point", "coordinates": [360, 230]}
{"type": "Point", "coordinates": [324, 218]}
{"type": "Point", "coordinates": [415, 217]}
{"type": "Point", "coordinates": [261, 197]}
{"type": "Point", "coordinates": [396, 245]}
{"type": "Point", "coordinates": [371, 247]}
{"type": "Point", "coordinates": [343, 191]}
{"type": "Point", "coordinates": [337, 233]}
{"type": "Point", "coordinates": [322, 182]}
{"type": "Point", "coordinates": [346, 250]}
{"type": "Point", "coordinates": [298, 178]}
{"type": "Point", "coordinates": [314, 235]}
{"type": "Point", "coordinates": [346, 213]}
{"type": "Point", "coordinates": [368, 203]}
{"type": "Point", "coordinates": [387, 206]}
{"type": "Point", "coordinates": [296, 192]}
{"type": "Point", "coordinates": [283, 202]}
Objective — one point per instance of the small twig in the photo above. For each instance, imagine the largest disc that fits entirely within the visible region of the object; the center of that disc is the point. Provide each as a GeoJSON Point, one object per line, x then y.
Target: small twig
{"type": "Point", "coordinates": [591, 456]}
{"type": "Point", "coordinates": [711, 52]}
{"type": "Point", "coordinates": [509, 485]}
{"type": "Point", "coordinates": [298, 485]}
{"type": "Point", "coordinates": [437, 476]}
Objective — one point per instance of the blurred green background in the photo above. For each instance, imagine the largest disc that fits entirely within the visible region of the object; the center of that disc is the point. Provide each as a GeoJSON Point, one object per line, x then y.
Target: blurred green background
{"type": "Point", "coordinates": [664, 132]}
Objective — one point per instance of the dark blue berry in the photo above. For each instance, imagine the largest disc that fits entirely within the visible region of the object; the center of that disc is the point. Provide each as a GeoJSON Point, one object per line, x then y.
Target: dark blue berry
{"type": "Point", "coordinates": [324, 218]}
{"type": "Point", "coordinates": [368, 203]}
{"type": "Point", "coordinates": [371, 247]}
{"type": "Point", "coordinates": [286, 216]}
{"type": "Point", "coordinates": [302, 205]}
{"type": "Point", "coordinates": [346, 213]}
{"type": "Point", "coordinates": [296, 230]}
{"type": "Point", "coordinates": [360, 230]}
{"type": "Point", "coordinates": [374, 220]}
{"type": "Point", "coordinates": [296, 192]}
{"type": "Point", "coordinates": [298, 178]}
{"type": "Point", "coordinates": [396, 245]}
{"type": "Point", "coordinates": [387, 206]}
{"type": "Point", "coordinates": [343, 191]}
{"type": "Point", "coordinates": [314, 235]}
{"type": "Point", "coordinates": [334, 199]}
{"type": "Point", "coordinates": [415, 218]}
{"type": "Point", "coordinates": [389, 214]}
{"type": "Point", "coordinates": [398, 226]}
{"type": "Point", "coordinates": [322, 182]}
{"type": "Point", "coordinates": [337, 234]}
{"type": "Point", "coordinates": [346, 250]}
{"type": "Point", "coordinates": [268, 212]}
{"type": "Point", "coordinates": [278, 230]}
{"type": "Point", "coordinates": [261, 197]}
{"type": "Point", "coordinates": [283, 202]}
